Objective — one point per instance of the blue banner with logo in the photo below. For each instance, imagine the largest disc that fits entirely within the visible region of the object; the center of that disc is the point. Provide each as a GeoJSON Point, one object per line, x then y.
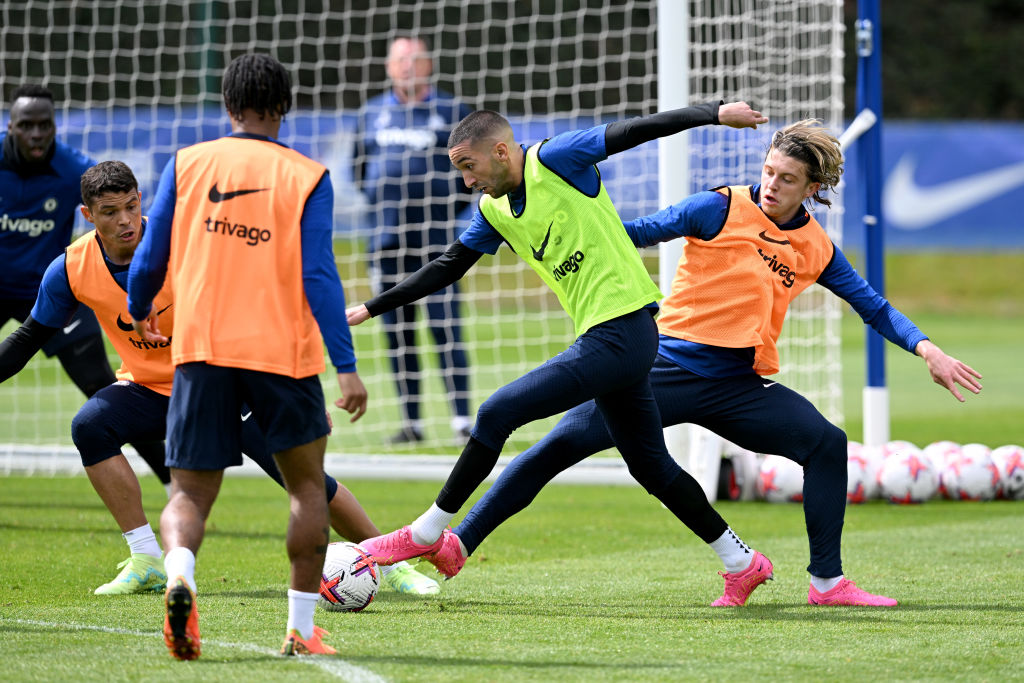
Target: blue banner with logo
{"type": "Point", "coordinates": [949, 185]}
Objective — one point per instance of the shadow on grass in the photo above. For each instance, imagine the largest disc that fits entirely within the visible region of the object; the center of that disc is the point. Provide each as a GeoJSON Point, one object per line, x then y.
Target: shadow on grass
{"type": "Point", "coordinates": [767, 613]}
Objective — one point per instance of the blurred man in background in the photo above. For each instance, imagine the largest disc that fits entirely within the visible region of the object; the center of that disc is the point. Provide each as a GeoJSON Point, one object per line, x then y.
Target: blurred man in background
{"type": "Point", "coordinates": [403, 169]}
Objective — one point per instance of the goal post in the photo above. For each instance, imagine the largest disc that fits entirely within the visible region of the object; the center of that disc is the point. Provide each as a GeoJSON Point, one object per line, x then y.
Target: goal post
{"type": "Point", "coordinates": [137, 81]}
{"type": "Point", "coordinates": [784, 58]}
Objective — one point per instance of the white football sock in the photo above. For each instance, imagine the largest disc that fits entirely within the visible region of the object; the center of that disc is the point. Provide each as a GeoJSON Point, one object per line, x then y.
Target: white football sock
{"type": "Point", "coordinates": [300, 612]}
{"type": "Point", "coordinates": [429, 526]}
{"type": "Point", "coordinates": [825, 585]}
{"type": "Point", "coordinates": [142, 540]}
{"type": "Point", "coordinates": [181, 562]}
{"type": "Point", "coordinates": [734, 553]}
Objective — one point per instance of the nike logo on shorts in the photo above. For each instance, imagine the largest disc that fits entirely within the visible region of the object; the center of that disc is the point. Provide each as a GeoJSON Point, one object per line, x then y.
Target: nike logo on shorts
{"type": "Point", "coordinates": [768, 385]}
{"type": "Point", "coordinates": [71, 328]}
{"type": "Point", "coordinates": [217, 196]}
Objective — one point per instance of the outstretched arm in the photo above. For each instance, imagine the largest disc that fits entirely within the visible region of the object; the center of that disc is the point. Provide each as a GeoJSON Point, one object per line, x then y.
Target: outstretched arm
{"type": "Point", "coordinates": [840, 278]}
{"type": "Point", "coordinates": [623, 135]}
{"type": "Point", "coordinates": [446, 269]}
{"type": "Point", "coordinates": [21, 345]}
{"type": "Point", "coordinates": [948, 371]}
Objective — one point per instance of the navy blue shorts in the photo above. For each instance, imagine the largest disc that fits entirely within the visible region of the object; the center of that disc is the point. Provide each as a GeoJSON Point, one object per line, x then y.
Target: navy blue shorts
{"type": "Point", "coordinates": [126, 412]}
{"type": "Point", "coordinates": [117, 414]}
{"type": "Point", "coordinates": [203, 429]}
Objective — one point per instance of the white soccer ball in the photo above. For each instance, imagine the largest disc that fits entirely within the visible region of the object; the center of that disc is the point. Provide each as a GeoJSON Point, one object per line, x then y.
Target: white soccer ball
{"type": "Point", "coordinates": [780, 480]}
{"type": "Point", "coordinates": [972, 476]}
{"type": "Point", "coordinates": [350, 578]}
{"type": "Point", "coordinates": [862, 466]}
{"type": "Point", "coordinates": [908, 477]}
{"type": "Point", "coordinates": [1009, 460]}
{"type": "Point", "coordinates": [941, 452]}
{"type": "Point", "coordinates": [896, 446]}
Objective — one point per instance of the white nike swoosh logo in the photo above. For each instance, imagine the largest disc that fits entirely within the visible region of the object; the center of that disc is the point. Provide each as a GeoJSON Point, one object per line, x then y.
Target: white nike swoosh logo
{"type": "Point", "coordinates": [769, 384]}
{"type": "Point", "coordinates": [71, 328]}
{"type": "Point", "coordinates": [246, 416]}
{"type": "Point", "coordinates": [912, 207]}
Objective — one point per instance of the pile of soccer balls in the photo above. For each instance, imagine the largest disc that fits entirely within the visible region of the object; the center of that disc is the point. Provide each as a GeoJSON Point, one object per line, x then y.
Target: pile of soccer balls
{"type": "Point", "coordinates": [900, 472]}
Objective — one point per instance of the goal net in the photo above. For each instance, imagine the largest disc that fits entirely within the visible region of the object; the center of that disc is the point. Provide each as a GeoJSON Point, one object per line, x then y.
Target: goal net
{"type": "Point", "coordinates": [136, 81]}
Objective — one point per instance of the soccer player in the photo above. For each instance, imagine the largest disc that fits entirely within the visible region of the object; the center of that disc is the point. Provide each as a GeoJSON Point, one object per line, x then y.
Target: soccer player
{"type": "Point", "coordinates": [549, 204]}
{"type": "Point", "coordinates": [94, 272]}
{"type": "Point", "coordinates": [39, 178]}
{"type": "Point", "coordinates": [749, 251]}
{"type": "Point", "coordinates": [242, 227]}
{"type": "Point", "coordinates": [402, 164]}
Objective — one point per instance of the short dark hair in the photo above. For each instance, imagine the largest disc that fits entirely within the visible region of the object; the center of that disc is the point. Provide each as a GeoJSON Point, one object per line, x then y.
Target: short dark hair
{"type": "Point", "coordinates": [258, 82]}
{"type": "Point", "coordinates": [31, 90]}
{"type": "Point", "coordinates": [479, 125]}
{"type": "Point", "coordinates": [106, 177]}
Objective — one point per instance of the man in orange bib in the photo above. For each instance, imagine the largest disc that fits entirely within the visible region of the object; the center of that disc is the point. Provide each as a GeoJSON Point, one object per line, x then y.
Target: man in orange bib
{"type": "Point", "coordinates": [241, 228]}
{"type": "Point", "coordinates": [94, 271]}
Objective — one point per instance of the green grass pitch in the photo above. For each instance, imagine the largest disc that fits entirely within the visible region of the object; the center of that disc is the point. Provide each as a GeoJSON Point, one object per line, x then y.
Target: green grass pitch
{"type": "Point", "coordinates": [589, 583]}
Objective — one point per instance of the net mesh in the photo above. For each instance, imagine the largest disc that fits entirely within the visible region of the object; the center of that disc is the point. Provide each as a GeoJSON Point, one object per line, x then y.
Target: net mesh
{"type": "Point", "coordinates": [136, 81]}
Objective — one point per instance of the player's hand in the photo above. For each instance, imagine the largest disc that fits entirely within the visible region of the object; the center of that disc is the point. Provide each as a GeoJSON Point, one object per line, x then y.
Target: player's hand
{"type": "Point", "coordinates": [353, 395]}
{"type": "Point", "coordinates": [357, 314]}
{"type": "Point", "coordinates": [330, 422]}
{"type": "Point", "coordinates": [948, 371]}
{"type": "Point", "coordinates": [149, 329]}
{"type": "Point", "coordinates": [740, 115]}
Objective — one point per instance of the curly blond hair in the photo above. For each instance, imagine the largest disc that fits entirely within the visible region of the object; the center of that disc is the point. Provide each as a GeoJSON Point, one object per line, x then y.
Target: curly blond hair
{"type": "Point", "coordinates": [810, 142]}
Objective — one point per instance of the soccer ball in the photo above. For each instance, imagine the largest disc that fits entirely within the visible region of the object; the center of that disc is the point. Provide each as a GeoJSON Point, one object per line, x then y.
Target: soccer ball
{"type": "Point", "coordinates": [941, 452]}
{"type": "Point", "coordinates": [908, 477]}
{"type": "Point", "coordinates": [780, 480]}
{"type": "Point", "coordinates": [972, 476]}
{"type": "Point", "coordinates": [350, 578]}
{"type": "Point", "coordinates": [1009, 460]}
{"type": "Point", "coordinates": [862, 465]}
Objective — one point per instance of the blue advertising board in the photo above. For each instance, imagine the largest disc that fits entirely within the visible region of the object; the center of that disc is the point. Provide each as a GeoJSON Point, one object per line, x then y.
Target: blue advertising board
{"type": "Point", "coordinates": [947, 185]}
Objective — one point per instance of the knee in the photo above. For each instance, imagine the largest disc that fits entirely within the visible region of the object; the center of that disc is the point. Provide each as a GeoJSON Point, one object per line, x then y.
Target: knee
{"type": "Point", "coordinates": [832, 446]}
{"type": "Point", "coordinates": [94, 441]}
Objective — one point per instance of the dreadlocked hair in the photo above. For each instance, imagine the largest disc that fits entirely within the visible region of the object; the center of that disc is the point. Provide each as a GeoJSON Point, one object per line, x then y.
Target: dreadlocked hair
{"type": "Point", "coordinates": [810, 142]}
{"type": "Point", "coordinates": [258, 82]}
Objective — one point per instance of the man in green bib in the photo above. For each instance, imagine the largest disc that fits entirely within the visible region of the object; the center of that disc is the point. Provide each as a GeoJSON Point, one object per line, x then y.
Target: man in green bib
{"type": "Point", "coordinates": [549, 204]}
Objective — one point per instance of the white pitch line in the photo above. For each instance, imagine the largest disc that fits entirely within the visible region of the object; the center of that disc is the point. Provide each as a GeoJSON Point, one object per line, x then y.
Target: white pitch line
{"type": "Point", "coordinates": [333, 665]}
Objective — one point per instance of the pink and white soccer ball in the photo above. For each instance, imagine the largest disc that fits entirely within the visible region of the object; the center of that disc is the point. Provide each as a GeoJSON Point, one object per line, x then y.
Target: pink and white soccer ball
{"type": "Point", "coordinates": [907, 476]}
{"type": "Point", "coordinates": [862, 466]}
{"type": "Point", "coordinates": [972, 476]}
{"type": "Point", "coordinates": [897, 445]}
{"type": "Point", "coordinates": [780, 480]}
{"type": "Point", "coordinates": [941, 452]}
{"type": "Point", "coordinates": [1009, 460]}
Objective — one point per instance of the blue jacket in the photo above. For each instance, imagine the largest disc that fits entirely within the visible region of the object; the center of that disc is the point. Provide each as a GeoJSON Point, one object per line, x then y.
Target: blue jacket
{"type": "Point", "coordinates": [37, 216]}
{"type": "Point", "coordinates": [405, 173]}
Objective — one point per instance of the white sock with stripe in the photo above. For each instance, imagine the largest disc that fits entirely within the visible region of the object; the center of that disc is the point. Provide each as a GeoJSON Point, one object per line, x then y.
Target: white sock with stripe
{"type": "Point", "coordinates": [143, 540]}
{"type": "Point", "coordinates": [734, 553]}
